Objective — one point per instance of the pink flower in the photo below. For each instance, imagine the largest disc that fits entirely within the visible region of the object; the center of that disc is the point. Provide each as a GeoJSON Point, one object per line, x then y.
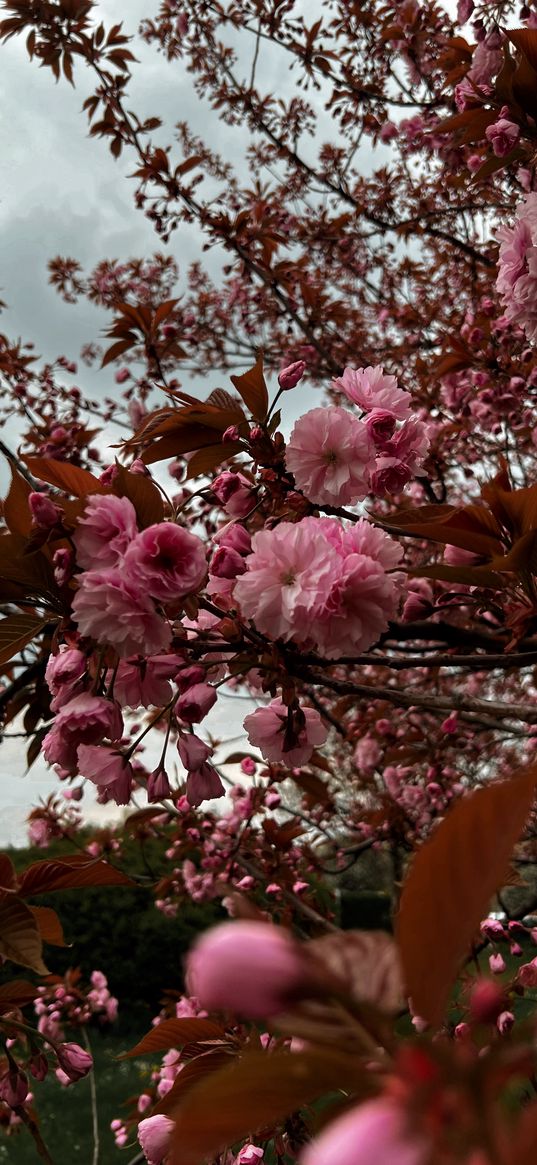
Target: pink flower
{"type": "Point", "coordinates": [109, 770]}
{"type": "Point", "coordinates": [194, 704]}
{"type": "Point", "coordinates": [364, 538]}
{"type": "Point", "coordinates": [389, 476]}
{"type": "Point", "coordinates": [166, 561]}
{"type": "Point", "coordinates": [376, 1131]}
{"type": "Point", "coordinates": [145, 682]}
{"type": "Point", "coordinates": [154, 1135]}
{"type": "Point", "coordinates": [411, 443]}
{"type": "Point", "coordinates": [502, 134]}
{"type": "Point", "coordinates": [362, 600]}
{"type": "Point", "coordinates": [74, 1061]}
{"type": "Point", "coordinates": [227, 563]}
{"type": "Point", "coordinates": [63, 674]}
{"type": "Point", "coordinates": [289, 575]}
{"type": "Point", "coordinates": [104, 533]}
{"type": "Point", "coordinates": [266, 729]}
{"type": "Point", "coordinates": [250, 967]}
{"type": "Point", "coordinates": [290, 376]}
{"type": "Point", "coordinates": [235, 493]}
{"type": "Point", "coordinates": [234, 537]}
{"type": "Point", "coordinates": [249, 1155]}
{"type": "Point", "coordinates": [380, 424]}
{"type": "Point", "coordinates": [517, 267]}
{"type": "Point", "coordinates": [203, 784]}
{"type": "Point", "coordinates": [527, 974]}
{"type": "Point", "coordinates": [45, 513]}
{"type": "Point", "coordinates": [329, 454]}
{"type": "Point", "coordinates": [116, 611]}
{"type": "Point", "coordinates": [84, 720]}
{"type": "Point", "coordinates": [372, 388]}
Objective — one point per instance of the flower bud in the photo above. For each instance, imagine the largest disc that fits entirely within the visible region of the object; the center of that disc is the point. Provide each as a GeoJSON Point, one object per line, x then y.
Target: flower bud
{"type": "Point", "coordinates": [14, 1086]}
{"type": "Point", "coordinates": [375, 1131]}
{"type": "Point", "coordinates": [194, 704]}
{"type": "Point", "coordinates": [290, 376]}
{"type": "Point", "coordinates": [250, 967]}
{"type": "Point", "coordinates": [45, 513]}
{"type": "Point", "coordinates": [74, 1061]}
{"type": "Point", "coordinates": [487, 1001]}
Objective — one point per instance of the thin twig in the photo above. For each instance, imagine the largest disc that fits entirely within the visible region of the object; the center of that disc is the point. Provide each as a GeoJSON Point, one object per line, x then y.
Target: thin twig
{"type": "Point", "coordinates": [94, 1110]}
{"type": "Point", "coordinates": [33, 1129]}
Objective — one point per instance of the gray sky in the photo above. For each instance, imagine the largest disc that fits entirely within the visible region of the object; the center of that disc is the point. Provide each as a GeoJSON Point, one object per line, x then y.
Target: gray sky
{"type": "Point", "coordinates": [61, 192]}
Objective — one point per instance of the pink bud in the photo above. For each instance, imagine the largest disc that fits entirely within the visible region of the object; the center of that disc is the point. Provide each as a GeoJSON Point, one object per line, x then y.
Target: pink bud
{"type": "Point", "coordinates": [14, 1086]}
{"type": "Point", "coordinates": [527, 974]}
{"type": "Point", "coordinates": [189, 676]}
{"type": "Point", "coordinates": [193, 705]}
{"type": "Point", "coordinates": [487, 1001]}
{"type": "Point", "coordinates": [248, 766]}
{"type": "Point", "coordinates": [158, 785]}
{"type": "Point", "coordinates": [227, 563]}
{"type": "Point", "coordinates": [505, 1022]}
{"type": "Point", "coordinates": [230, 434]}
{"type": "Point", "coordinates": [250, 967]}
{"type": "Point", "coordinates": [203, 784]}
{"type": "Point", "coordinates": [377, 1131]}
{"type": "Point", "coordinates": [234, 536]}
{"type": "Point", "coordinates": [74, 1061]}
{"type": "Point", "coordinates": [154, 1135]}
{"type": "Point", "coordinates": [63, 562]}
{"type": "Point", "coordinates": [291, 375]}
{"type": "Point", "coordinates": [122, 375]}
{"type": "Point", "coordinates": [380, 424]}
{"type": "Point", "coordinates": [45, 513]}
{"type": "Point", "coordinates": [193, 752]}
{"type": "Point", "coordinates": [38, 1066]}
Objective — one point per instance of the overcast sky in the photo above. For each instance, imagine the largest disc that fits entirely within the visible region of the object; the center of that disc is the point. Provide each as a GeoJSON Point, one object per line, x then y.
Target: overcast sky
{"type": "Point", "coordinates": [62, 193]}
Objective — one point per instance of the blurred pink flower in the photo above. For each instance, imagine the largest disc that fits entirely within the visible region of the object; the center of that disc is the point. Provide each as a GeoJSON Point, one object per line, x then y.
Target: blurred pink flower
{"type": "Point", "coordinates": [266, 730]}
{"type": "Point", "coordinates": [250, 967]}
{"type": "Point", "coordinates": [116, 611]}
{"type": "Point", "coordinates": [376, 1131]}
{"type": "Point", "coordinates": [104, 533]}
{"type": "Point", "coordinates": [166, 561]}
{"type": "Point", "coordinates": [329, 454]}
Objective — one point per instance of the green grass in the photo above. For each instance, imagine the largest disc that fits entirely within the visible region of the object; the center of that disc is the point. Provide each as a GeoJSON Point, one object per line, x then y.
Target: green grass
{"type": "Point", "coordinates": [65, 1113]}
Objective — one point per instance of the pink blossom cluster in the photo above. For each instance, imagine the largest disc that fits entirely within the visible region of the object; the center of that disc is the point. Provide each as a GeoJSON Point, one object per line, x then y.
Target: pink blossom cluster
{"type": "Point", "coordinates": [321, 584]}
{"type": "Point", "coordinates": [129, 578]}
{"type": "Point", "coordinates": [517, 267]}
{"type": "Point", "coordinates": [67, 1003]}
{"type": "Point", "coordinates": [337, 458]}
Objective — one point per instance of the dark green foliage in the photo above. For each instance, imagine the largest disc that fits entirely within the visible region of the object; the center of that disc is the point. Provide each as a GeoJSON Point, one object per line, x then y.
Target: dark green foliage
{"type": "Point", "coordinates": [119, 930]}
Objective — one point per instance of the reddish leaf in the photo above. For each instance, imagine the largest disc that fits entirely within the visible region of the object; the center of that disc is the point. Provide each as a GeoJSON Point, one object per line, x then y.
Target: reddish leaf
{"type": "Point", "coordinates": [69, 873]}
{"type": "Point", "coordinates": [20, 940]}
{"type": "Point", "coordinates": [208, 458]}
{"type": "Point", "coordinates": [143, 493]}
{"type": "Point", "coordinates": [368, 962]}
{"type": "Point", "coordinates": [253, 1092]}
{"type": "Point", "coordinates": [450, 884]}
{"type": "Point", "coordinates": [175, 1033]}
{"type": "Point", "coordinates": [253, 390]}
{"type": "Point", "coordinates": [193, 1073]}
{"type": "Point", "coordinates": [16, 631]}
{"type": "Point", "coordinates": [50, 927]}
{"type": "Point", "coordinates": [64, 476]}
{"type": "Point", "coordinates": [17, 993]}
{"type": "Point", "coordinates": [16, 512]}
{"type": "Point", "coordinates": [8, 877]}
{"type": "Point", "coordinates": [525, 39]}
